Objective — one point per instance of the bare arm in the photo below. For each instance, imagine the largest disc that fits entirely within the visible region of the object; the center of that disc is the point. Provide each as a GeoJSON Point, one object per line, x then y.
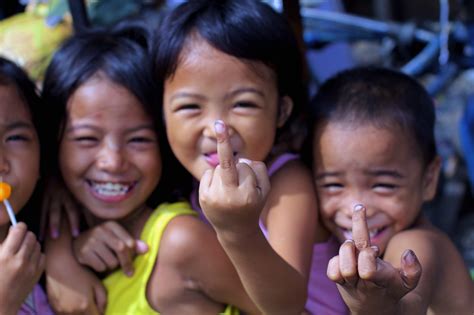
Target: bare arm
{"type": "Point", "coordinates": [233, 197]}
{"type": "Point", "coordinates": [200, 278]}
{"type": "Point", "coordinates": [72, 288]}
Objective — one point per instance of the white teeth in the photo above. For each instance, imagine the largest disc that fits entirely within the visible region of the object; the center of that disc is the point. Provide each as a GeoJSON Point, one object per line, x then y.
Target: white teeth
{"type": "Point", "coordinates": [110, 189]}
{"type": "Point", "coordinates": [373, 232]}
{"type": "Point", "coordinates": [347, 234]}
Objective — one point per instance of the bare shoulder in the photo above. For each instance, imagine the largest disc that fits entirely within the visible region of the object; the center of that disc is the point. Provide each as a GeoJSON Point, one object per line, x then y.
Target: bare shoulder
{"type": "Point", "coordinates": [445, 280]}
{"type": "Point", "coordinates": [293, 174]}
{"type": "Point", "coordinates": [183, 240]}
{"type": "Point", "coordinates": [175, 285]}
{"type": "Point", "coordinates": [293, 183]}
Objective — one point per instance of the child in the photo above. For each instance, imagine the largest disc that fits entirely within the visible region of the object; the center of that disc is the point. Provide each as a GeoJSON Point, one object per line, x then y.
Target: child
{"type": "Point", "coordinates": [110, 156]}
{"type": "Point", "coordinates": [235, 66]}
{"type": "Point", "coordinates": [21, 260]}
{"type": "Point", "coordinates": [228, 61]}
{"type": "Point", "coordinates": [375, 163]}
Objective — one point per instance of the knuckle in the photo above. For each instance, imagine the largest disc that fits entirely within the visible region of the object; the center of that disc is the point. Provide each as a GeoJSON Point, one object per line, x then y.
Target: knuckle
{"type": "Point", "coordinates": [226, 164]}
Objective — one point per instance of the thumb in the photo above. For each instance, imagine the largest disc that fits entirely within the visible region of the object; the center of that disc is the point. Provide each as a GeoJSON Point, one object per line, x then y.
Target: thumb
{"type": "Point", "coordinates": [410, 270]}
{"type": "Point", "coordinates": [100, 296]}
{"type": "Point", "coordinates": [141, 247]}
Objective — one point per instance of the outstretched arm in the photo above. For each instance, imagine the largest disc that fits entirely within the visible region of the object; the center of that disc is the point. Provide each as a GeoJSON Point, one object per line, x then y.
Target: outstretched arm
{"type": "Point", "coordinates": [232, 197]}
{"type": "Point", "coordinates": [369, 284]}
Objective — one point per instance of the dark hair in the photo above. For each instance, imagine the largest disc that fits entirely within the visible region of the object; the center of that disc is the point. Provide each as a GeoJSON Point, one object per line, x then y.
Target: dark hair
{"type": "Point", "coordinates": [382, 97]}
{"type": "Point", "coordinates": [12, 75]}
{"type": "Point", "coordinates": [122, 57]}
{"type": "Point", "coordinates": [246, 29]}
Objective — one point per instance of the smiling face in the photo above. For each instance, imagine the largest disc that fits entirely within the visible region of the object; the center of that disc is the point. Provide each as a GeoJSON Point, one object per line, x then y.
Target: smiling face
{"type": "Point", "coordinates": [209, 85]}
{"type": "Point", "coordinates": [19, 149]}
{"type": "Point", "coordinates": [377, 167]}
{"type": "Point", "coordinates": [109, 155]}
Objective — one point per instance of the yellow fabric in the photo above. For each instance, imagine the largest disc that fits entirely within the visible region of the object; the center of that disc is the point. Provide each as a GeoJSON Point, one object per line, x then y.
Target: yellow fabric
{"type": "Point", "coordinates": [128, 295]}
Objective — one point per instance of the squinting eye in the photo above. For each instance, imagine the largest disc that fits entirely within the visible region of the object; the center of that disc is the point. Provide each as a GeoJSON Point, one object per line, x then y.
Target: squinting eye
{"type": "Point", "coordinates": [331, 186]}
{"type": "Point", "coordinates": [17, 138]}
{"type": "Point", "coordinates": [85, 139]}
{"type": "Point", "coordinates": [245, 105]}
{"type": "Point", "coordinates": [142, 140]}
{"type": "Point", "coordinates": [187, 107]}
{"type": "Point", "coordinates": [384, 186]}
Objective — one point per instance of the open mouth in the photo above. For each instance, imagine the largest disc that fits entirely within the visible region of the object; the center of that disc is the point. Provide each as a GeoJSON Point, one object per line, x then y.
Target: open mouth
{"type": "Point", "coordinates": [110, 189]}
{"type": "Point", "coordinates": [373, 233]}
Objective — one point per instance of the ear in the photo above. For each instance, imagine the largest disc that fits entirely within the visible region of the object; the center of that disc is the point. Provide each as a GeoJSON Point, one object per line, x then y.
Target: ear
{"type": "Point", "coordinates": [430, 179]}
{"type": "Point", "coordinates": [285, 108]}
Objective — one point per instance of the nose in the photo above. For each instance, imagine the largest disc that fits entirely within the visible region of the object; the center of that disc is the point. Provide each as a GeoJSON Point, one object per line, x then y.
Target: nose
{"type": "Point", "coordinates": [351, 200]}
{"type": "Point", "coordinates": [112, 159]}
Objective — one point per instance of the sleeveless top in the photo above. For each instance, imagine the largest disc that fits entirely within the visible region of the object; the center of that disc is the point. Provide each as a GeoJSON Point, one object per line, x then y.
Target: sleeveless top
{"type": "Point", "coordinates": [36, 303]}
{"type": "Point", "coordinates": [323, 295]}
{"type": "Point", "coordinates": [127, 295]}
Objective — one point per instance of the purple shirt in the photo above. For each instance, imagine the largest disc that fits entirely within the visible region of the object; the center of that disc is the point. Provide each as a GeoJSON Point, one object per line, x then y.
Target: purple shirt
{"type": "Point", "coordinates": [36, 303]}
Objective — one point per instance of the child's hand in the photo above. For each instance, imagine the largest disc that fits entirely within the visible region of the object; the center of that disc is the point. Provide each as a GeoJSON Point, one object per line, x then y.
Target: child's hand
{"type": "Point", "coordinates": [56, 200]}
{"type": "Point", "coordinates": [21, 265]}
{"type": "Point", "coordinates": [233, 195]}
{"type": "Point", "coordinates": [107, 246]}
{"type": "Point", "coordinates": [81, 292]}
{"type": "Point", "coordinates": [367, 283]}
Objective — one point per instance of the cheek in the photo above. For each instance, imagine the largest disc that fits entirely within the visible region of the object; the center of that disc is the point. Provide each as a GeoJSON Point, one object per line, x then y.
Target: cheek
{"type": "Point", "coordinates": [258, 142]}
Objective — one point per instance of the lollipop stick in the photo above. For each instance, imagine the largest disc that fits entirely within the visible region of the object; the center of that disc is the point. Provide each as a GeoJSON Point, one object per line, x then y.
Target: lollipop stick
{"type": "Point", "coordinates": [10, 212]}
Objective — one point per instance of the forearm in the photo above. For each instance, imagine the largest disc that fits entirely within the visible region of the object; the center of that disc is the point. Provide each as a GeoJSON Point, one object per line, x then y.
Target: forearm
{"type": "Point", "coordinates": [274, 285]}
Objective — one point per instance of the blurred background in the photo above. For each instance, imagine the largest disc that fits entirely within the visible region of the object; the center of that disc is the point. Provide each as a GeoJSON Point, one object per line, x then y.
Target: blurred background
{"type": "Point", "coordinates": [433, 40]}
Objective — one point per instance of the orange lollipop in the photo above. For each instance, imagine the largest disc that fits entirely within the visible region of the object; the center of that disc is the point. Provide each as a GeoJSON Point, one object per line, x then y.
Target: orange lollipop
{"type": "Point", "coordinates": [5, 191]}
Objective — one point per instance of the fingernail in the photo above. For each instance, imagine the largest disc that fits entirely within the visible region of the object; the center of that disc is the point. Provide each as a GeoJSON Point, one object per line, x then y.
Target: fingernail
{"type": "Point", "coordinates": [142, 247]}
{"type": "Point", "coordinates": [245, 161]}
{"type": "Point", "coordinates": [75, 232]}
{"type": "Point", "coordinates": [54, 233]}
{"type": "Point", "coordinates": [219, 126]}
{"type": "Point", "coordinates": [348, 241]}
{"type": "Point", "coordinates": [409, 257]}
{"type": "Point", "coordinates": [358, 207]}
{"type": "Point", "coordinates": [129, 273]}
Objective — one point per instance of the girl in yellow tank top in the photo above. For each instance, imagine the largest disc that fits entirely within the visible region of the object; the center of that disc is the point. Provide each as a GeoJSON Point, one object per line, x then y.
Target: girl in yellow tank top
{"type": "Point", "coordinates": [111, 163]}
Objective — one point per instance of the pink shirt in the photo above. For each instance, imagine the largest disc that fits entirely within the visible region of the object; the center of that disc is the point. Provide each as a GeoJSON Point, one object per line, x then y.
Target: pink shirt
{"type": "Point", "coordinates": [323, 295]}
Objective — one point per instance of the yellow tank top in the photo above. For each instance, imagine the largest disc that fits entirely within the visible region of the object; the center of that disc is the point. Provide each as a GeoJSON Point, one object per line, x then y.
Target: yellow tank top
{"type": "Point", "coordinates": [127, 295]}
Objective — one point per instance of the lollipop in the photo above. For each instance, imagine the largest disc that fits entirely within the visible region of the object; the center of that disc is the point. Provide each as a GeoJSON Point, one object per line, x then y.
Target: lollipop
{"type": "Point", "coordinates": [5, 191]}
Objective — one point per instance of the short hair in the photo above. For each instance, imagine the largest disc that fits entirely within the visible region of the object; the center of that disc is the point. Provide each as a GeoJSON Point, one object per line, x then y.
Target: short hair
{"type": "Point", "coordinates": [380, 96]}
{"type": "Point", "coordinates": [246, 29]}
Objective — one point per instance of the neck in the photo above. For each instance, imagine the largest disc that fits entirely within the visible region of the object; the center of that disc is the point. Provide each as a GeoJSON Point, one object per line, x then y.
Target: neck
{"type": "Point", "coordinates": [133, 223]}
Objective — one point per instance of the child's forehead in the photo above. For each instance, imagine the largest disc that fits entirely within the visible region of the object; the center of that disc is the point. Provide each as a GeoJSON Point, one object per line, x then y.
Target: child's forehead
{"type": "Point", "coordinates": [12, 104]}
{"type": "Point", "coordinates": [373, 136]}
{"type": "Point", "coordinates": [197, 49]}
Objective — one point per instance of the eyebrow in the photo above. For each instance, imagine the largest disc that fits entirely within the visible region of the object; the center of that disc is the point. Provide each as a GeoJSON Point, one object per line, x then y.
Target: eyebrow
{"type": "Point", "coordinates": [327, 174]}
{"type": "Point", "coordinates": [245, 90]}
{"type": "Point", "coordinates": [19, 125]}
{"type": "Point", "coordinates": [186, 94]}
{"type": "Point", "coordinates": [89, 126]}
{"type": "Point", "coordinates": [390, 173]}
{"type": "Point", "coordinates": [228, 95]}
